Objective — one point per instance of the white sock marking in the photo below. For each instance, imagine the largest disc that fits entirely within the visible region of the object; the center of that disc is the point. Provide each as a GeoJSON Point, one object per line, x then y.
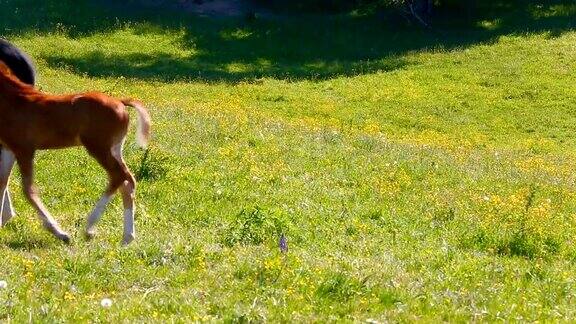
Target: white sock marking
{"type": "Point", "coordinates": [97, 212]}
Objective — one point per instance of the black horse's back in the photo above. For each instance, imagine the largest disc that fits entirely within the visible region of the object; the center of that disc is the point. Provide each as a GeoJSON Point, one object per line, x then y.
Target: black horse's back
{"type": "Point", "coordinates": [20, 64]}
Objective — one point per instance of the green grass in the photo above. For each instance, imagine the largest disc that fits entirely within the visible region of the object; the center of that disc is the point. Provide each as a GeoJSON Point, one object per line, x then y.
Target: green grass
{"type": "Point", "coordinates": [417, 175]}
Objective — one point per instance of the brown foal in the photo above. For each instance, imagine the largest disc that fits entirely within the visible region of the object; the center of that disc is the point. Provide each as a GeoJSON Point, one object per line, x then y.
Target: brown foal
{"type": "Point", "coordinates": [31, 120]}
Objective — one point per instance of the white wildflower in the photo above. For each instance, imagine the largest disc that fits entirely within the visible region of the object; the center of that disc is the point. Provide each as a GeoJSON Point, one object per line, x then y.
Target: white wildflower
{"type": "Point", "coordinates": [106, 302]}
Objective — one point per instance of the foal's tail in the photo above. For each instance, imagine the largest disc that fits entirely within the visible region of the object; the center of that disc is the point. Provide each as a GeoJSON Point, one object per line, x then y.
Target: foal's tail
{"type": "Point", "coordinates": [143, 129]}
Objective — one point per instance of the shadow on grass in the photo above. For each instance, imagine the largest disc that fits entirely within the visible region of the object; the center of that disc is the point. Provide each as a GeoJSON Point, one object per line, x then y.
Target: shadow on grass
{"type": "Point", "coordinates": [18, 240]}
{"type": "Point", "coordinates": [289, 47]}
{"type": "Point", "coordinates": [29, 244]}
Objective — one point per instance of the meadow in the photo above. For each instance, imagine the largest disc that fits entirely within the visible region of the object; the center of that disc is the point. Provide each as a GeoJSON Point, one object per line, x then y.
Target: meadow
{"type": "Point", "coordinates": [417, 175]}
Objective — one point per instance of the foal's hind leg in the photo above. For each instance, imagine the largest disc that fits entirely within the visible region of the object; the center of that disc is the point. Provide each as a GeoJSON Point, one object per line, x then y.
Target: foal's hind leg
{"type": "Point", "coordinates": [119, 176]}
{"type": "Point", "coordinates": [6, 163]}
{"type": "Point", "coordinates": [25, 162]}
{"type": "Point", "coordinates": [106, 160]}
{"type": "Point", "coordinates": [96, 214]}
{"type": "Point", "coordinates": [128, 190]}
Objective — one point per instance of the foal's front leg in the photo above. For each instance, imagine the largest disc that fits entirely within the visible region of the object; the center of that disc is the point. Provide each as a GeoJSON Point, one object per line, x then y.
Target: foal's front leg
{"type": "Point", "coordinates": [25, 162]}
{"type": "Point", "coordinates": [6, 164]}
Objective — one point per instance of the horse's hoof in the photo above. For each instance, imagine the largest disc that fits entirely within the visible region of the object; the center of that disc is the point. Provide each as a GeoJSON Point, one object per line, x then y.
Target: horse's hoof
{"type": "Point", "coordinates": [64, 237]}
{"type": "Point", "coordinates": [89, 235]}
{"type": "Point", "coordinates": [5, 219]}
{"type": "Point", "coordinates": [127, 239]}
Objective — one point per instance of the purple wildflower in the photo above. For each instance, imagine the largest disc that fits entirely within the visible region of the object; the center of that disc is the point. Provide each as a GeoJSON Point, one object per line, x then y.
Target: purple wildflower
{"type": "Point", "coordinates": [283, 244]}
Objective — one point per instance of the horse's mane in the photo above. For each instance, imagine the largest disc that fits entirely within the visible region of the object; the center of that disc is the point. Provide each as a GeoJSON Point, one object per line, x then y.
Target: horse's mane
{"type": "Point", "coordinates": [10, 83]}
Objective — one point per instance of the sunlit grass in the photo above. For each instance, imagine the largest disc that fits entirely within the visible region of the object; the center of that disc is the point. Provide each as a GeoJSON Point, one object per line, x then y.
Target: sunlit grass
{"type": "Point", "coordinates": [432, 188]}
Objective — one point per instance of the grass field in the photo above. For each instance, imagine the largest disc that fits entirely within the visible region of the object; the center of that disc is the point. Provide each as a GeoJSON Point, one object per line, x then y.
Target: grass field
{"type": "Point", "coordinates": [417, 175]}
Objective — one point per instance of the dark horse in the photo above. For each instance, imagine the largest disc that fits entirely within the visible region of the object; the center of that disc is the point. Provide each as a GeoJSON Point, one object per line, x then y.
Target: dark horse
{"type": "Point", "coordinates": [23, 68]}
{"type": "Point", "coordinates": [20, 64]}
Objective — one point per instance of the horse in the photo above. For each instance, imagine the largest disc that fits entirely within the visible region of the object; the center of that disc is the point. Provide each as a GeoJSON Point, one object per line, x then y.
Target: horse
{"type": "Point", "coordinates": [31, 120]}
{"type": "Point", "coordinates": [23, 68]}
{"type": "Point", "coordinates": [20, 63]}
